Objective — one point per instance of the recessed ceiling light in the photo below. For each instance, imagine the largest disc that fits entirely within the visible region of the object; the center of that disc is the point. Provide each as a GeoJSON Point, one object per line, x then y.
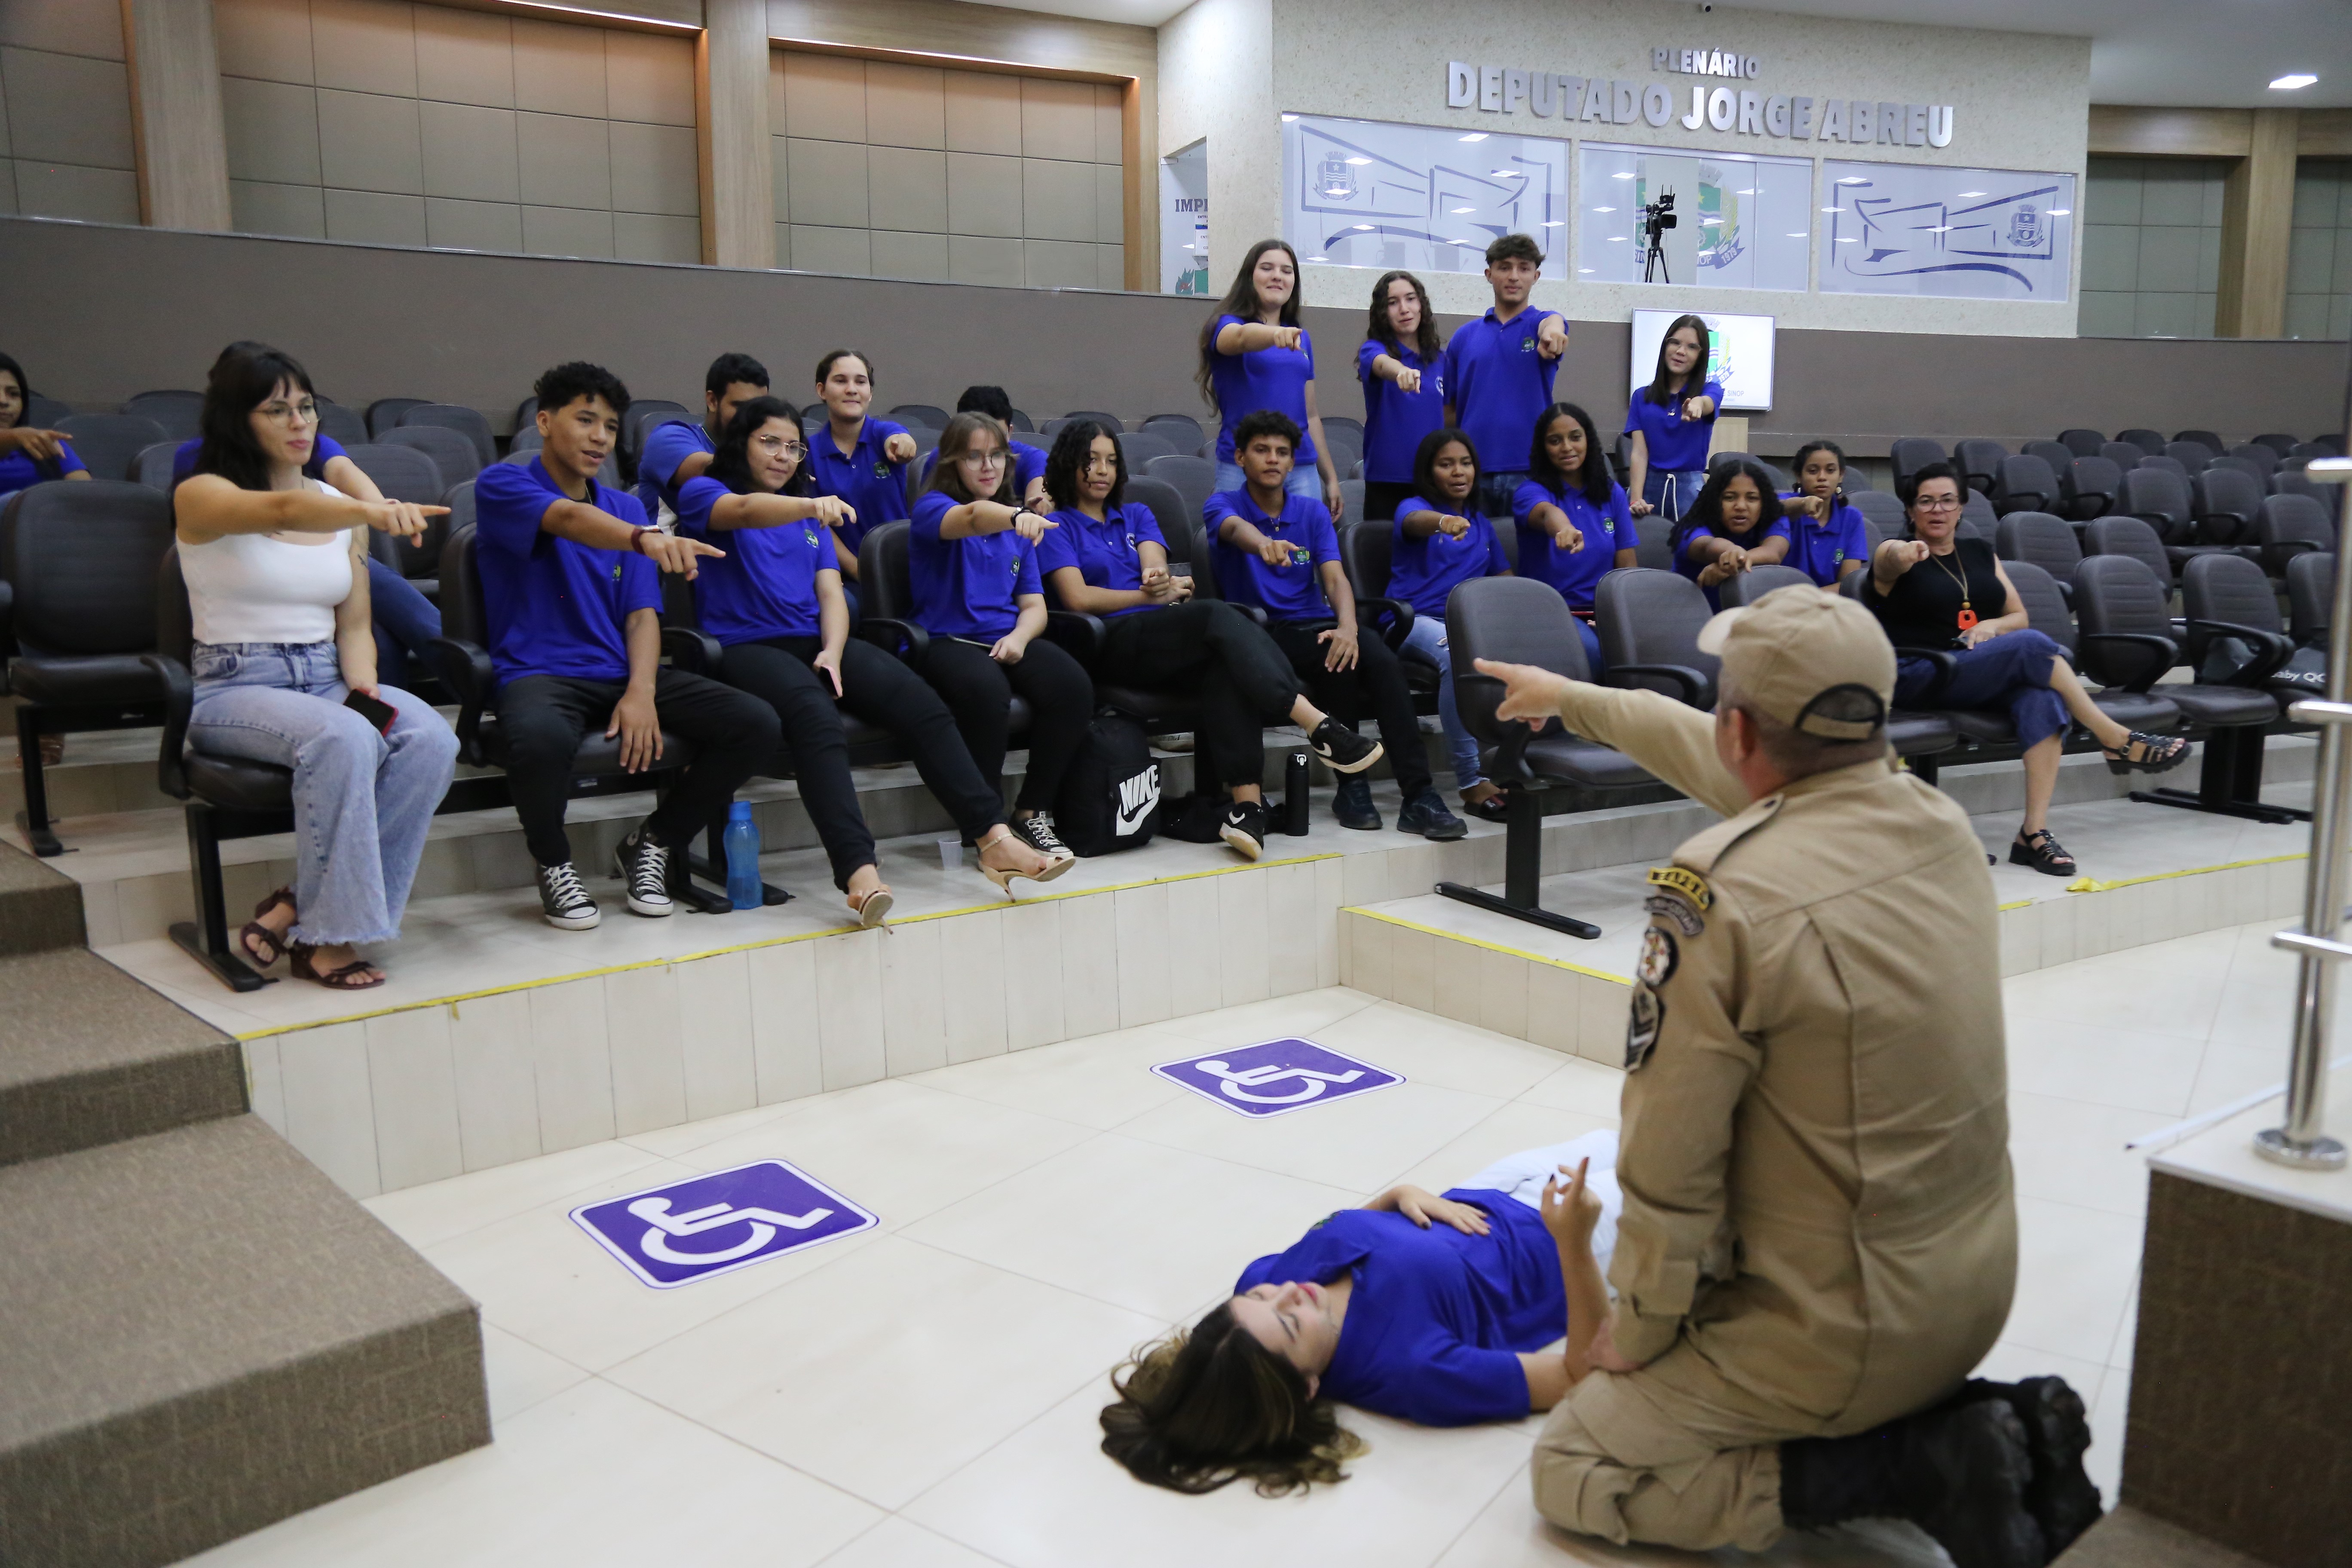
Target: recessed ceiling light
{"type": "Point", "coordinates": [2294, 79]}
{"type": "Point", "coordinates": [1475, 136]}
{"type": "Point", "coordinates": [1289, 119]}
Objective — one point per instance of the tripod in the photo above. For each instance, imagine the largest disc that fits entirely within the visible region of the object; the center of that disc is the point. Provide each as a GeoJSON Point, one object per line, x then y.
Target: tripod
{"type": "Point", "coordinates": [1653, 264]}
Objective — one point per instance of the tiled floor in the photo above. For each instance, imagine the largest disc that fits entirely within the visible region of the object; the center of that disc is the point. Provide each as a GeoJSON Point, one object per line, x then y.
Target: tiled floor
{"type": "Point", "coordinates": [924, 1393]}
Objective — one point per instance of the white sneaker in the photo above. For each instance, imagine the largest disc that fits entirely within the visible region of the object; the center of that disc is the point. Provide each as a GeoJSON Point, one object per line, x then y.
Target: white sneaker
{"type": "Point", "coordinates": [643, 866]}
{"type": "Point", "coordinates": [563, 901]}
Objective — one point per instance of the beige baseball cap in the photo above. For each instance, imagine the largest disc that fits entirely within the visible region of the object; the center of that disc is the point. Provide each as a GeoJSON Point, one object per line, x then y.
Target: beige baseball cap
{"type": "Point", "coordinates": [1816, 661]}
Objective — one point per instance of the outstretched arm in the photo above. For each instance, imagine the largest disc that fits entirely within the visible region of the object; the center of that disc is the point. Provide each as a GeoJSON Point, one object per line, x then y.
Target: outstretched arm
{"type": "Point", "coordinates": [1673, 740]}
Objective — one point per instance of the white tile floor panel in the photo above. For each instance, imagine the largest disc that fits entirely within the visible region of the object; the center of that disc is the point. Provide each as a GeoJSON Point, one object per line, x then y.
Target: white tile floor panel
{"type": "Point", "coordinates": [925, 1393]}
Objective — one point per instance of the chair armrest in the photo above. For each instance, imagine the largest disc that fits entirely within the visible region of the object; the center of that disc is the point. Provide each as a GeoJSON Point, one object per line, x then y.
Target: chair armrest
{"type": "Point", "coordinates": [179, 703]}
{"type": "Point", "coordinates": [696, 652]}
{"type": "Point", "coordinates": [1945, 661]}
{"type": "Point", "coordinates": [910, 642]}
{"type": "Point", "coordinates": [1398, 625]}
{"type": "Point", "coordinates": [1696, 689]}
{"type": "Point", "coordinates": [2273, 649]}
{"type": "Point", "coordinates": [1256, 613]}
{"type": "Point", "coordinates": [7, 611]}
{"type": "Point", "coordinates": [2165, 649]}
{"type": "Point", "coordinates": [1078, 633]}
{"type": "Point", "coordinates": [467, 670]}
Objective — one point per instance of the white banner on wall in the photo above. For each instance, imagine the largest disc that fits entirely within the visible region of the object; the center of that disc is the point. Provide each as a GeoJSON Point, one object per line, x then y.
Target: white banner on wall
{"type": "Point", "coordinates": [1363, 193]}
{"type": "Point", "coordinates": [1184, 222]}
{"type": "Point", "coordinates": [1739, 221]}
{"type": "Point", "coordinates": [1968, 234]}
{"type": "Point", "coordinates": [1738, 355]}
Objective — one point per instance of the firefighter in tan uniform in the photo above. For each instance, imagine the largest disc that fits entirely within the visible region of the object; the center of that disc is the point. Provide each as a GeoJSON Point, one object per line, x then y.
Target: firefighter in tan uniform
{"type": "Point", "coordinates": [1820, 1237]}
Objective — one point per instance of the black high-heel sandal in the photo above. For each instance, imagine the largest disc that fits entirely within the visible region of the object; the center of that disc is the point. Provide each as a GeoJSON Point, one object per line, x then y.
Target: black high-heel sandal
{"type": "Point", "coordinates": [2157, 752]}
{"type": "Point", "coordinates": [2042, 852]}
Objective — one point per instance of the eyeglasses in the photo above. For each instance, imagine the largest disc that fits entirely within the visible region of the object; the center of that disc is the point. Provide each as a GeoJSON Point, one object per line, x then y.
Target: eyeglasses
{"type": "Point", "coordinates": [773, 446]}
{"type": "Point", "coordinates": [283, 414]}
{"type": "Point", "coordinates": [1941, 503]}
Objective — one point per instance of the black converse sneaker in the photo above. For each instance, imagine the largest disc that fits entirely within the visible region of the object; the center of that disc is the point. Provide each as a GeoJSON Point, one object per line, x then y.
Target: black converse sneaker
{"type": "Point", "coordinates": [563, 901]}
{"type": "Point", "coordinates": [1243, 827]}
{"type": "Point", "coordinates": [1038, 829]}
{"type": "Point", "coordinates": [1342, 750]}
{"type": "Point", "coordinates": [642, 862]}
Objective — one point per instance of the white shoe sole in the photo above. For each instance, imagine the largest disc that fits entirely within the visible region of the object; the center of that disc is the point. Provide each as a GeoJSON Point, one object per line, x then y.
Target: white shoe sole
{"type": "Point", "coordinates": [588, 921]}
{"type": "Point", "coordinates": [652, 911]}
{"type": "Point", "coordinates": [1366, 761]}
{"type": "Point", "coordinates": [1243, 844]}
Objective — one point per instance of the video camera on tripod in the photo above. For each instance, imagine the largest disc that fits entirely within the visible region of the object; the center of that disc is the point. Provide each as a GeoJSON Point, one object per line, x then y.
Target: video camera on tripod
{"type": "Point", "coordinates": [1656, 218]}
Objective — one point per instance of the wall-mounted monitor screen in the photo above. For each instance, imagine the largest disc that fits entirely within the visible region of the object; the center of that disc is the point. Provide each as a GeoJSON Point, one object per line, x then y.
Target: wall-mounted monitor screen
{"type": "Point", "coordinates": [1739, 354]}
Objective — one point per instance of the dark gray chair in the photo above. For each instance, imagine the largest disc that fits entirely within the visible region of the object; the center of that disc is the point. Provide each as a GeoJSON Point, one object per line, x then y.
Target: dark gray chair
{"type": "Point", "coordinates": [2048, 611]}
{"type": "Point", "coordinates": [1648, 622]}
{"type": "Point", "coordinates": [152, 467]}
{"type": "Point", "coordinates": [1979, 463]}
{"type": "Point", "coordinates": [1780, 480]}
{"type": "Point", "coordinates": [2047, 542]}
{"type": "Point", "coordinates": [638, 422]}
{"type": "Point", "coordinates": [1347, 447]}
{"type": "Point", "coordinates": [42, 412]}
{"type": "Point", "coordinates": [1139, 446]}
{"type": "Point", "coordinates": [384, 413]}
{"type": "Point", "coordinates": [342, 425]}
{"type": "Point", "coordinates": [2260, 472]}
{"type": "Point", "coordinates": [1347, 421]}
{"type": "Point", "coordinates": [452, 456]}
{"type": "Point", "coordinates": [78, 562]}
{"type": "Point", "coordinates": [2235, 622]}
{"type": "Point", "coordinates": [2081, 442]}
{"type": "Point", "coordinates": [108, 444]}
{"type": "Point", "coordinates": [2190, 455]}
{"type": "Point", "coordinates": [2125, 454]}
{"type": "Point", "coordinates": [2290, 526]}
{"type": "Point", "coordinates": [1747, 588]}
{"type": "Point", "coordinates": [2086, 488]}
{"type": "Point", "coordinates": [1913, 453]}
{"type": "Point", "coordinates": [2146, 441]}
{"type": "Point", "coordinates": [403, 472]}
{"type": "Point", "coordinates": [2023, 483]}
{"type": "Point", "coordinates": [2225, 504]}
{"type": "Point", "coordinates": [179, 415]}
{"type": "Point", "coordinates": [1180, 431]}
{"type": "Point", "coordinates": [2129, 536]}
{"type": "Point", "coordinates": [2293, 481]}
{"type": "Point", "coordinates": [2057, 453]}
{"type": "Point", "coordinates": [1351, 502]}
{"type": "Point", "coordinates": [929, 415]}
{"type": "Point", "coordinates": [2161, 500]}
{"type": "Point", "coordinates": [2205, 438]}
{"type": "Point", "coordinates": [1194, 478]}
{"type": "Point", "coordinates": [2311, 597]}
{"type": "Point", "coordinates": [1883, 510]}
{"type": "Point", "coordinates": [1654, 550]}
{"type": "Point", "coordinates": [466, 422]}
{"type": "Point", "coordinates": [2284, 445]}
{"type": "Point", "coordinates": [1977, 517]}
{"type": "Point", "coordinates": [2264, 459]}
{"type": "Point", "coordinates": [1524, 621]}
{"type": "Point", "coordinates": [1110, 421]}
{"type": "Point", "coordinates": [2169, 465]}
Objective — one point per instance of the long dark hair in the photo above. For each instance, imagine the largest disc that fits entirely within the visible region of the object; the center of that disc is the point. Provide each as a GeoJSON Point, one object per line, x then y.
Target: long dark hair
{"type": "Point", "coordinates": [24, 389]}
{"type": "Point", "coordinates": [946, 476]}
{"type": "Point", "coordinates": [1205, 1408]}
{"type": "Point", "coordinates": [242, 380]}
{"type": "Point", "coordinates": [1661, 390]}
{"type": "Point", "coordinates": [1241, 300]}
{"type": "Point", "coordinates": [1707, 512]}
{"type": "Point", "coordinates": [1424, 342]}
{"type": "Point", "coordinates": [1593, 478]}
{"type": "Point", "coordinates": [730, 460]}
{"type": "Point", "coordinates": [1424, 462]}
{"type": "Point", "coordinates": [1073, 446]}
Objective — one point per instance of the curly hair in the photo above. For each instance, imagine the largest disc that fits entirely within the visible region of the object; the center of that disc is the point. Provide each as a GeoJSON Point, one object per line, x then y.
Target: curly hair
{"type": "Point", "coordinates": [1072, 447]}
{"type": "Point", "coordinates": [1707, 512]}
{"type": "Point", "coordinates": [1210, 1406]}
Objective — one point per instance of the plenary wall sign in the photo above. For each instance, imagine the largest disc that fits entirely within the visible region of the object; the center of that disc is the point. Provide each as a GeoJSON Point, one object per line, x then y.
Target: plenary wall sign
{"type": "Point", "coordinates": [1743, 112]}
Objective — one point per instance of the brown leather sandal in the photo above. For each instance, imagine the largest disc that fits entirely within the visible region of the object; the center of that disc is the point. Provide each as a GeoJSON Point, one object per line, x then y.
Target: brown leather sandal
{"type": "Point", "coordinates": [273, 944]}
{"type": "Point", "coordinates": [350, 977]}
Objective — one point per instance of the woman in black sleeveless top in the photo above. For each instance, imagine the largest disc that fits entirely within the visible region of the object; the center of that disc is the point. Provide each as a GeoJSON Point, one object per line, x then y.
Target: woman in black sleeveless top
{"type": "Point", "coordinates": [1938, 592]}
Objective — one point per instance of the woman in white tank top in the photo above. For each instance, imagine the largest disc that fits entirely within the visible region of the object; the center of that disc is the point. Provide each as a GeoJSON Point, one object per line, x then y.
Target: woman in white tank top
{"type": "Point", "coordinates": [277, 588]}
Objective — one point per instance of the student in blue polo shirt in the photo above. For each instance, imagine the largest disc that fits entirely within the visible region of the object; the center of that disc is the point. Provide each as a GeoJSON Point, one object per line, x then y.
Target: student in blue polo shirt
{"type": "Point", "coordinates": [1574, 525]}
{"type": "Point", "coordinates": [1830, 541]}
{"type": "Point", "coordinates": [856, 457]}
{"type": "Point", "coordinates": [1255, 355]}
{"type": "Point", "coordinates": [680, 449]}
{"type": "Point", "coordinates": [972, 565]}
{"type": "Point", "coordinates": [29, 455]}
{"type": "Point", "coordinates": [774, 601]}
{"type": "Point", "coordinates": [1028, 461]}
{"type": "Point", "coordinates": [1278, 550]}
{"type": "Point", "coordinates": [570, 579]}
{"type": "Point", "coordinates": [1736, 524]}
{"type": "Point", "coordinates": [1404, 389]}
{"type": "Point", "coordinates": [1108, 558]}
{"type": "Point", "coordinates": [1672, 421]}
{"type": "Point", "coordinates": [1498, 369]}
{"type": "Point", "coordinates": [1440, 539]}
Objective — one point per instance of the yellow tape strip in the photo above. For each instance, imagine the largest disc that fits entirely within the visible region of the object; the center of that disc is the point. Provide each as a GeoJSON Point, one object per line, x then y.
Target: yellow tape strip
{"type": "Point", "coordinates": [2091, 885]}
{"type": "Point", "coordinates": [453, 1000]}
{"type": "Point", "coordinates": [1489, 946]}
{"type": "Point", "coordinates": [2020, 904]}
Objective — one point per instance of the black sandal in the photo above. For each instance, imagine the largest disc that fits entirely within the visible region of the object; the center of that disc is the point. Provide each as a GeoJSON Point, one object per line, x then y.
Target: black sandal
{"type": "Point", "coordinates": [2042, 852]}
{"type": "Point", "coordinates": [272, 945]}
{"type": "Point", "coordinates": [352, 976]}
{"type": "Point", "coordinates": [2157, 752]}
{"type": "Point", "coordinates": [1495, 808]}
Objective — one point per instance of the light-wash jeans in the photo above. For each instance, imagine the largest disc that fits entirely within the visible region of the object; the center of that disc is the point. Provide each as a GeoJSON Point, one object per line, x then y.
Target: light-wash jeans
{"type": "Point", "coordinates": [1306, 481]}
{"type": "Point", "coordinates": [362, 801]}
{"type": "Point", "coordinates": [1671, 491]}
{"type": "Point", "coordinates": [1427, 638]}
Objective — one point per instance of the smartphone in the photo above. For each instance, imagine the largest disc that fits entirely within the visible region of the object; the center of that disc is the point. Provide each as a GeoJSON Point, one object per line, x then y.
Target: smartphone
{"type": "Point", "coordinates": [377, 712]}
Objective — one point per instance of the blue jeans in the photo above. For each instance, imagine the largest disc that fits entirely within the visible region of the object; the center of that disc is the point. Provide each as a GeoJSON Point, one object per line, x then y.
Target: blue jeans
{"type": "Point", "coordinates": [1671, 491]}
{"type": "Point", "coordinates": [362, 801]}
{"type": "Point", "coordinates": [1307, 481]}
{"type": "Point", "coordinates": [406, 621]}
{"type": "Point", "coordinates": [1496, 490]}
{"type": "Point", "coordinates": [1427, 638]}
{"type": "Point", "coordinates": [2009, 674]}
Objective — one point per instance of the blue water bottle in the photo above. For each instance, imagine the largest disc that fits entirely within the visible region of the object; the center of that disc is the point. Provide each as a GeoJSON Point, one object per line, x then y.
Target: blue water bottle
{"type": "Point", "coordinates": [742, 842]}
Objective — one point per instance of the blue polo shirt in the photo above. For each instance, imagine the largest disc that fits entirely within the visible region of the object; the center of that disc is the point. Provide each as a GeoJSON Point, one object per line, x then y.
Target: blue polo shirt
{"type": "Point", "coordinates": [556, 608]}
{"type": "Point", "coordinates": [1288, 593]}
{"type": "Point", "coordinates": [1818, 549]}
{"type": "Point", "coordinates": [967, 587]}
{"type": "Point", "coordinates": [1028, 463]}
{"type": "Point", "coordinates": [1106, 554]}
{"type": "Point", "coordinates": [1755, 539]}
{"type": "Point", "coordinates": [1676, 447]}
{"type": "Point", "coordinates": [324, 449]}
{"type": "Point", "coordinates": [1395, 420]}
{"type": "Point", "coordinates": [766, 585]}
{"type": "Point", "coordinates": [665, 449]}
{"type": "Point", "coordinates": [873, 485]}
{"type": "Point", "coordinates": [18, 471]}
{"type": "Point", "coordinates": [1423, 571]}
{"type": "Point", "coordinates": [1575, 573]}
{"type": "Point", "coordinates": [1264, 378]}
{"type": "Point", "coordinates": [1498, 384]}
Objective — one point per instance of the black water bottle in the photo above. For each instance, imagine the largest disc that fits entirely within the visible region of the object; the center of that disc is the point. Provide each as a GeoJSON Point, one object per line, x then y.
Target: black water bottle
{"type": "Point", "coordinates": [1294, 796]}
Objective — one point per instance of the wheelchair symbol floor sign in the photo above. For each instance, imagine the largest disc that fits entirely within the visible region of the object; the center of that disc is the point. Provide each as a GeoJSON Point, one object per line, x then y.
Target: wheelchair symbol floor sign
{"type": "Point", "coordinates": [1275, 1078]}
{"type": "Point", "coordinates": [716, 1224]}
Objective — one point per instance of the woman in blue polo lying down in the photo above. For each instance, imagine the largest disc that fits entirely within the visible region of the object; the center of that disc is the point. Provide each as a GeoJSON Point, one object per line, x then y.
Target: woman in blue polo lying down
{"type": "Point", "coordinates": [1433, 1309]}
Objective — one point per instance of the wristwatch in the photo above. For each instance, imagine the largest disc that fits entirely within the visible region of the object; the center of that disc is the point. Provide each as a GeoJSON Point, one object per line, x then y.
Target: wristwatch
{"type": "Point", "coordinates": [637, 539]}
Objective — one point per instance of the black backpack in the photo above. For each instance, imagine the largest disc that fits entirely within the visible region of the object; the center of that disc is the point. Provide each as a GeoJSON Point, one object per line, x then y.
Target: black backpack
{"type": "Point", "coordinates": [1110, 796]}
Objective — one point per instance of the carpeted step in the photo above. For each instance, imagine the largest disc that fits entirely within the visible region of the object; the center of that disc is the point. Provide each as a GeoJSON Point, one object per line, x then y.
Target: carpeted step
{"type": "Point", "coordinates": [40, 909]}
{"type": "Point", "coordinates": [203, 1336]}
{"type": "Point", "coordinates": [2126, 1538]}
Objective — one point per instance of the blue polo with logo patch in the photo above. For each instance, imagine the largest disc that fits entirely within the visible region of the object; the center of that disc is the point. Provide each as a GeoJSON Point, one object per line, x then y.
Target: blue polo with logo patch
{"type": "Point", "coordinates": [1292, 592]}
{"type": "Point", "coordinates": [1028, 463]}
{"type": "Point", "coordinates": [1395, 420]}
{"type": "Point", "coordinates": [1498, 384]}
{"type": "Point", "coordinates": [1676, 445]}
{"type": "Point", "coordinates": [17, 470]}
{"type": "Point", "coordinates": [1263, 378]}
{"type": "Point", "coordinates": [873, 485]}
{"type": "Point", "coordinates": [967, 587]}
{"type": "Point", "coordinates": [1575, 573]}
{"type": "Point", "coordinates": [1423, 571]}
{"type": "Point", "coordinates": [1818, 549]}
{"type": "Point", "coordinates": [1753, 540]}
{"type": "Point", "coordinates": [665, 449]}
{"type": "Point", "coordinates": [324, 449]}
{"type": "Point", "coordinates": [556, 606]}
{"type": "Point", "coordinates": [1106, 554]}
{"type": "Point", "coordinates": [766, 585]}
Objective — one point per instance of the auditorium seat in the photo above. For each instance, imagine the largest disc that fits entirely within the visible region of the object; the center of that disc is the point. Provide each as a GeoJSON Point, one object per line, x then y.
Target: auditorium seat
{"type": "Point", "coordinates": [2082, 443]}
{"type": "Point", "coordinates": [1194, 478]}
{"type": "Point", "coordinates": [638, 421]}
{"type": "Point", "coordinates": [419, 559]}
{"type": "Point", "coordinates": [1351, 502]}
{"type": "Point", "coordinates": [1365, 551]}
{"type": "Point", "coordinates": [1139, 446]}
{"type": "Point", "coordinates": [1912, 453]}
{"type": "Point", "coordinates": [2286, 527]}
{"type": "Point", "coordinates": [1347, 447]}
{"type": "Point", "coordinates": [1979, 462]}
{"type": "Point", "coordinates": [78, 562]}
{"type": "Point", "coordinates": [402, 472]}
{"type": "Point", "coordinates": [342, 425]}
{"type": "Point", "coordinates": [1021, 422]}
{"type": "Point", "coordinates": [42, 412]}
{"type": "Point", "coordinates": [2306, 451]}
{"type": "Point", "coordinates": [2146, 441]}
{"type": "Point", "coordinates": [2311, 597]}
{"type": "Point", "coordinates": [2253, 469]}
{"type": "Point", "coordinates": [1180, 431]}
{"type": "Point", "coordinates": [2125, 454]}
{"type": "Point", "coordinates": [2047, 542]}
{"type": "Point", "coordinates": [384, 412]}
{"type": "Point", "coordinates": [1747, 588]}
{"type": "Point", "coordinates": [930, 415]}
{"type": "Point", "coordinates": [2057, 453]}
{"type": "Point", "coordinates": [2224, 503]}
{"type": "Point", "coordinates": [1653, 549]}
{"type": "Point", "coordinates": [466, 422]}
{"type": "Point", "coordinates": [2277, 442]}
{"type": "Point", "coordinates": [2129, 536]}
{"type": "Point", "coordinates": [1977, 517]}
{"type": "Point", "coordinates": [1648, 621]}
{"type": "Point", "coordinates": [2293, 481]}
{"type": "Point", "coordinates": [2227, 598]}
{"type": "Point", "coordinates": [2192, 456]}
{"type": "Point", "coordinates": [2206, 438]}
{"type": "Point", "coordinates": [1781, 480]}
{"type": "Point", "coordinates": [2161, 500]}
{"type": "Point", "coordinates": [179, 415]}
{"type": "Point", "coordinates": [109, 444]}
{"type": "Point", "coordinates": [152, 467]}
{"type": "Point", "coordinates": [2086, 488]}
{"type": "Point", "coordinates": [1112, 421]}
{"type": "Point", "coordinates": [450, 453]}
{"type": "Point", "coordinates": [2049, 610]}
{"type": "Point", "coordinates": [1885, 510]}
{"type": "Point", "coordinates": [2023, 483]}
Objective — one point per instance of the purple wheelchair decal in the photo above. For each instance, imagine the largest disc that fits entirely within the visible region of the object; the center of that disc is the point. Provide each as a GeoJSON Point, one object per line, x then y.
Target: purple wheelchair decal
{"type": "Point", "coordinates": [675, 1235]}
{"type": "Point", "coordinates": [1275, 1078]}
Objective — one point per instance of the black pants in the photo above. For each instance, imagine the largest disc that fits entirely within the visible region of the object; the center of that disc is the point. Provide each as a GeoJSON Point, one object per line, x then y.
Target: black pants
{"type": "Point", "coordinates": [877, 687]}
{"type": "Point", "coordinates": [1246, 682]}
{"type": "Point", "coordinates": [979, 693]}
{"type": "Point", "coordinates": [1381, 500]}
{"type": "Point", "coordinates": [1376, 682]}
{"type": "Point", "coordinates": [545, 717]}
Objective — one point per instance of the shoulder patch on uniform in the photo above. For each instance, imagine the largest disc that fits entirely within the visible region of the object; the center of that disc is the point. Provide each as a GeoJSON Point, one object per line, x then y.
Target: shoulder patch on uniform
{"type": "Point", "coordinates": [1677, 909]}
{"type": "Point", "coordinates": [1646, 1017]}
{"type": "Point", "coordinates": [1659, 957]}
{"type": "Point", "coordinates": [1677, 880]}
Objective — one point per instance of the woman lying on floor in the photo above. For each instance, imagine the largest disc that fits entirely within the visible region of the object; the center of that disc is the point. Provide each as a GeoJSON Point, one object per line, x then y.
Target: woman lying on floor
{"type": "Point", "coordinates": [1431, 1308]}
